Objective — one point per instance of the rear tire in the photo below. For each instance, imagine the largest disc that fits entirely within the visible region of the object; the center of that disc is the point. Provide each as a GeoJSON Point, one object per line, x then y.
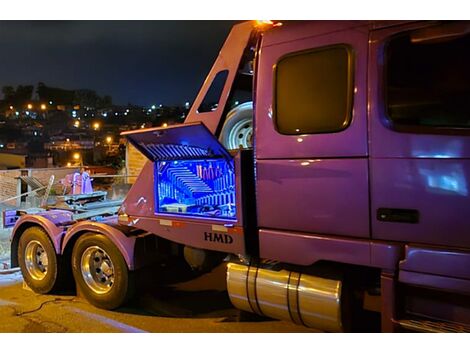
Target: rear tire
{"type": "Point", "coordinates": [38, 261]}
{"type": "Point", "coordinates": [100, 272]}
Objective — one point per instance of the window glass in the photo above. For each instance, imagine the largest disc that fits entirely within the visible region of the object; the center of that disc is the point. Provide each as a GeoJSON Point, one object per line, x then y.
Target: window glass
{"type": "Point", "coordinates": [212, 98]}
{"type": "Point", "coordinates": [313, 91]}
{"type": "Point", "coordinates": [428, 79]}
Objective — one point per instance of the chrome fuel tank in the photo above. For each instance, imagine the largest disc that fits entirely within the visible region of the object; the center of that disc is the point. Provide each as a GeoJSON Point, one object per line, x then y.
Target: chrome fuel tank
{"type": "Point", "coordinates": [303, 299]}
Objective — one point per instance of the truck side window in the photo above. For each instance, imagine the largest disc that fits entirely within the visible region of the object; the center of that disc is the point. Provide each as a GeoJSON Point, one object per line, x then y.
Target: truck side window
{"type": "Point", "coordinates": [427, 79]}
{"type": "Point", "coordinates": [212, 97]}
{"type": "Point", "coordinates": [313, 91]}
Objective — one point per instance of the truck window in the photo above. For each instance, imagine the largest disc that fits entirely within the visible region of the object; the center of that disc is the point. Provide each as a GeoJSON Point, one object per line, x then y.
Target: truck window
{"type": "Point", "coordinates": [427, 81]}
{"type": "Point", "coordinates": [212, 97]}
{"type": "Point", "coordinates": [313, 91]}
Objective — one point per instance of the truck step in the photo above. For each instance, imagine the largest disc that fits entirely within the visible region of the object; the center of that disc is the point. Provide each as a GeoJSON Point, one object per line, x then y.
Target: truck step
{"type": "Point", "coordinates": [421, 325]}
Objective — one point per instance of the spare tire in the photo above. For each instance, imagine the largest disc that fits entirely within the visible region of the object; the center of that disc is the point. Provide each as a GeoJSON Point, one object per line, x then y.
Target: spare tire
{"type": "Point", "coordinates": [237, 131]}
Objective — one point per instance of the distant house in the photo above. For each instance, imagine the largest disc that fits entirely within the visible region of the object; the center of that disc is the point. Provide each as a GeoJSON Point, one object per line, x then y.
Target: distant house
{"type": "Point", "coordinates": [10, 160]}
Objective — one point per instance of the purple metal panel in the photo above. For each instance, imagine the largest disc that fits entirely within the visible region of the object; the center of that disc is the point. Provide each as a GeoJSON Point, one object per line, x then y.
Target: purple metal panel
{"type": "Point", "coordinates": [385, 255]}
{"type": "Point", "coordinates": [140, 200]}
{"type": "Point", "coordinates": [201, 234]}
{"type": "Point", "coordinates": [122, 242]}
{"type": "Point", "coordinates": [444, 262]}
{"type": "Point", "coordinates": [306, 249]}
{"type": "Point", "coordinates": [292, 38]}
{"type": "Point", "coordinates": [328, 196]}
{"type": "Point", "coordinates": [307, 29]}
{"type": "Point", "coordinates": [302, 249]}
{"type": "Point", "coordinates": [228, 59]}
{"type": "Point", "coordinates": [49, 221]}
{"type": "Point", "coordinates": [437, 188]}
{"type": "Point", "coordinates": [57, 217]}
{"type": "Point", "coordinates": [386, 143]}
{"type": "Point", "coordinates": [435, 282]}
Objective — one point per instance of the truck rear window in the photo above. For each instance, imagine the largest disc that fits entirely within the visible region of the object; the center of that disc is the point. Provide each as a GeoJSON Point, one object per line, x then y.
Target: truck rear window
{"type": "Point", "coordinates": [313, 91]}
{"type": "Point", "coordinates": [427, 80]}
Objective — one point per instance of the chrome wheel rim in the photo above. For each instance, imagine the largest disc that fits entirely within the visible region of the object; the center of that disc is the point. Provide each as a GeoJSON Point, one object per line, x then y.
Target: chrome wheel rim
{"type": "Point", "coordinates": [240, 134]}
{"type": "Point", "coordinates": [36, 260]}
{"type": "Point", "coordinates": [97, 270]}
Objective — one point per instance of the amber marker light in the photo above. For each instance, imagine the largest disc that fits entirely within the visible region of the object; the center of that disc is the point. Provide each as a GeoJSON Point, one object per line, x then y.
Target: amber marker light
{"type": "Point", "coordinates": [267, 23]}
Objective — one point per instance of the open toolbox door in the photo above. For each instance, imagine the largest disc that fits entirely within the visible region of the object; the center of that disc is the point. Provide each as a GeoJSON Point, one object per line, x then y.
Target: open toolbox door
{"type": "Point", "coordinates": [179, 142]}
{"type": "Point", "coordinates": [194, 192]}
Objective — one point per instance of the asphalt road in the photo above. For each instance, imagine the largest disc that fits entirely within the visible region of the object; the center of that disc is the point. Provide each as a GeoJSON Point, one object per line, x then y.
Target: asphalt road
{"type": "Point", "coordinates": [181, 308]}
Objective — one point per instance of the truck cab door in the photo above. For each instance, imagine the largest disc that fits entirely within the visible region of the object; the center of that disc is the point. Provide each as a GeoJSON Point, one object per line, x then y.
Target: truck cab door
{"type": "Point", "coordinates": [420, 133]}
{"type": "Point", "coordinates": [311, 130]}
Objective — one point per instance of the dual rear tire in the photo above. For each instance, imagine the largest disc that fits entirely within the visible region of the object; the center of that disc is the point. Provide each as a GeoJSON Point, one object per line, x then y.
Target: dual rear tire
{"type": "Point", "coordinates": [100, 272]}
{"type": "Point", "coordinates": [99, 269]}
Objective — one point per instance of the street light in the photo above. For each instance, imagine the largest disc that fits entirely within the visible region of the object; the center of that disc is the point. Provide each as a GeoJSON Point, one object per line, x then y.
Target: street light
{"type": "Point", "coordinates": [109, 139]}
{"type": "Point", "coordinates": [77, 157]}
{"type": "Point", "coordinates": [96, 126]}
{"type": "Point", "coordinates": [43, 106]}
{"type": "Point", "coordinates": [30, 106]}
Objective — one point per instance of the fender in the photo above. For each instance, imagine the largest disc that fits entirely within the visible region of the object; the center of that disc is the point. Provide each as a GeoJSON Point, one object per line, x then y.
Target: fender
{"type": "Point", "coordinates": [54, 230]}
{"type": "Point", "coordinates": [112, 231]}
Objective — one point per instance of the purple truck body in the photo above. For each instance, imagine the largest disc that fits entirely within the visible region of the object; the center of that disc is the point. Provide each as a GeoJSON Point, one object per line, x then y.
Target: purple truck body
{"type": "Point", "coordinates": [319, 196]}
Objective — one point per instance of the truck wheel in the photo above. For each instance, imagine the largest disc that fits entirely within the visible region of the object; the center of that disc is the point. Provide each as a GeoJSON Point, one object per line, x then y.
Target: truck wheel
{"type": "Point", "coordinates": [38, 260]}
{"type": "Point", "coordinates": [100, 271]}
{"type": "Point", "coordinates": [238, 127]}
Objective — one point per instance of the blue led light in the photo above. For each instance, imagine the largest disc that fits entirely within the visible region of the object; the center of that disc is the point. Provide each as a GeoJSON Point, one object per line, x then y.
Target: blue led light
{"type": "Point", "coordinates": [203, 188]}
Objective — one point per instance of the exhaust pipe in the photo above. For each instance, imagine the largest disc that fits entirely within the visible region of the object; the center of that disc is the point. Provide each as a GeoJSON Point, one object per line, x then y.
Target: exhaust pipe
{"type": "Point", "coordinates": [307, 300]}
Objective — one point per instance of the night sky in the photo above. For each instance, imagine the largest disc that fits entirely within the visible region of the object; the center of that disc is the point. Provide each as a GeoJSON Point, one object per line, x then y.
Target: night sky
{"type": "Point", "coordinates": [138, 62]}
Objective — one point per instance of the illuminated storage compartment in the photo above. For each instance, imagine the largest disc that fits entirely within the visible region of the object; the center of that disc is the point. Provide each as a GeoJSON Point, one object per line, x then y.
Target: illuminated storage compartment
{"type": "Point", "coordinates": [194, 175]}
{"type": "Point", "coordinates": [195, 192]}
{"type": "Point", "coordinates": [204, 188]}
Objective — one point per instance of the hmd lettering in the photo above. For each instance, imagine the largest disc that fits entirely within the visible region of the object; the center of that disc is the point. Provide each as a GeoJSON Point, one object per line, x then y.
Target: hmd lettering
{"type": "Point", "coordinates": [218, 237]}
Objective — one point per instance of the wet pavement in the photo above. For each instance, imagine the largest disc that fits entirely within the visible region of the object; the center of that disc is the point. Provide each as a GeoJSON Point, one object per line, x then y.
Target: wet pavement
{"type": "Point", "coordinates": [199, 305]}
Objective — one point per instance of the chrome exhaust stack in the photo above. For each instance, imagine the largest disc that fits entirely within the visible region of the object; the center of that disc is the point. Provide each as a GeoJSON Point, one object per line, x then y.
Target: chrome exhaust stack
{"type": "Point", "coordinates": [303, 299]}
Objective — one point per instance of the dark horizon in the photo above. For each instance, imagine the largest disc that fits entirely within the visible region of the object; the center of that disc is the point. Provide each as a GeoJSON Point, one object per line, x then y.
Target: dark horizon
{"type": "Point", "coordinates": [136, 62]}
